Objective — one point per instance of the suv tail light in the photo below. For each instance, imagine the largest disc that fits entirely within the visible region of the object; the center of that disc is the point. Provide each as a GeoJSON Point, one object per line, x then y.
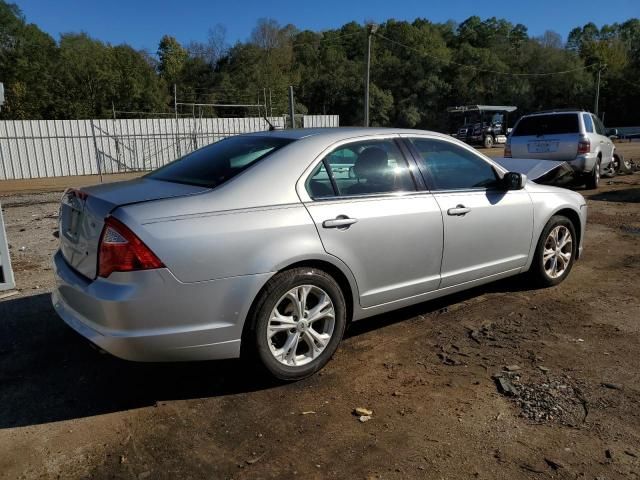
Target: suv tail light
{"type": "Point", "coordinates": [120, 250]}
{"type": "Point", "coordinates": [584, 146]}
{"type": "Point", "coordinates": [507, 149]}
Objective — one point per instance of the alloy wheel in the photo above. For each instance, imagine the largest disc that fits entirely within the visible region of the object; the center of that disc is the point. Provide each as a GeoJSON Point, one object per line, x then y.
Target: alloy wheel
{"type": "Point", "coordinates": [301, 325]}
{"type": "Point", "coordinates": [558, 249]}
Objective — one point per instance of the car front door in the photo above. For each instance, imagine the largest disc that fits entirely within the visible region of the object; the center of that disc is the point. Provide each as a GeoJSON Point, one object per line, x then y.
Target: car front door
{"type": "Point", "coordinates": [369, 213]}
{"type": "Point", "coordinates": [487, 230]}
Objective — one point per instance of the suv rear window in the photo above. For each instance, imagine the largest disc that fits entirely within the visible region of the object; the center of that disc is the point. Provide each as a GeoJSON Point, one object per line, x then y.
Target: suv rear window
{"type": "Point", "coordinates": [554, 124]}
{"type": "Point", "coordinates": [216, 164]}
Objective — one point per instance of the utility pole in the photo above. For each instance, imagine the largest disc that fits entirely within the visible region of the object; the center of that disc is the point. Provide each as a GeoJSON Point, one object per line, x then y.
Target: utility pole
{"type": "Point", "coordinates": [600, 68]}
{"type": "Point", "coordinates": [292, 107]}
{"type": "Point", "coordinates": [371, 29]}
{"type": "Point", "coordinates": [175, 107]}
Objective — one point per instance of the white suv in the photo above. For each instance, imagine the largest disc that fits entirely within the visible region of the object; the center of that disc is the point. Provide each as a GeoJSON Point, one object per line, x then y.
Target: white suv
{"type": "Point", "coordinates": [577, 137]}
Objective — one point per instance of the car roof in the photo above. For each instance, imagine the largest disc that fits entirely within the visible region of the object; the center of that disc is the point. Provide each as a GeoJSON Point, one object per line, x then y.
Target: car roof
{"type": "Point", "coordinates": [556, 112]}
{"type": "Point", "coordinates": [343, 133]}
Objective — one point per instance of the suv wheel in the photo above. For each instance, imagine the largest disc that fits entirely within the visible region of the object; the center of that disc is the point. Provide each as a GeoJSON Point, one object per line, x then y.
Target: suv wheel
{"type": "Point", "coordinates": [488, 141]}
{"type": "Point", "coordinates": [555, 252]}
{"type": "Point", "coordinates": [594, 178]}
{"type": "Point", "coordinates": [612, 169]}
{"type": "Point", "coordinates": [299, 320]}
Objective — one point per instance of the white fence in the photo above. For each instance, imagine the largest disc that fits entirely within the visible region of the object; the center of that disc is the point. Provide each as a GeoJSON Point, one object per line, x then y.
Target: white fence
{"type": "Point", "coordinates": [55, 148]}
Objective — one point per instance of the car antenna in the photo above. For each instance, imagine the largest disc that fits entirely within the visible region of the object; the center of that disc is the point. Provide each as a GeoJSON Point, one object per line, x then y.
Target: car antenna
{"type": "Point", "coordinates": [271, 127]}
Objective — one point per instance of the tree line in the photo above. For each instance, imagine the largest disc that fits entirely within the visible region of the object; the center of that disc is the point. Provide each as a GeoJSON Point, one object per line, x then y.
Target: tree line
{"type": "Point", "coordinates": [418, 69]}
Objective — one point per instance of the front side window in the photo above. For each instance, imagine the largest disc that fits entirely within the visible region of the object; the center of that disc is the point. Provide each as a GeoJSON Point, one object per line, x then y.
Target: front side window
{"type": "Point", "coordinates": [216, 164]}
{"type": "Point", "coordinates": [361, 168]}
{"type": "Point", "coordinates": [599, 126]}
{"type": "Point", "coordinates": [451, 167]}
{"type": "Point", "coordinates": [588, 122]}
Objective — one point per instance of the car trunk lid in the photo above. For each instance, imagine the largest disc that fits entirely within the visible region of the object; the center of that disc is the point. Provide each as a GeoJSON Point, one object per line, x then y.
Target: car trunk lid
{"type": "Point", "coordinates": [83, 211]}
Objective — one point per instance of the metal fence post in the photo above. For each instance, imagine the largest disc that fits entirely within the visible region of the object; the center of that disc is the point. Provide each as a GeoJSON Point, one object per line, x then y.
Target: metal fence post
{"type": "Point", "coordinates": [95, 144]}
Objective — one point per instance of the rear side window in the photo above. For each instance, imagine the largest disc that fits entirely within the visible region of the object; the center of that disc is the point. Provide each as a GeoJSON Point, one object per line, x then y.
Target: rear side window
{"type": "Point", "coordinates": [588, 122]}
{"type": "Point", "coordinates": [216, 164]}
{"type": "Point", "coordinates": [555, 124]}
{"type": "Point", "coordinates": [361, 168]}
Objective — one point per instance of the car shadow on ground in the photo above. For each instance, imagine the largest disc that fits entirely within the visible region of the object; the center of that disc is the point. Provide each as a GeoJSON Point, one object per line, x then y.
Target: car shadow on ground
{"type": "Point", "coordinates": [628, 195]}
{"type": "Point", "coordinates": [49, 373]}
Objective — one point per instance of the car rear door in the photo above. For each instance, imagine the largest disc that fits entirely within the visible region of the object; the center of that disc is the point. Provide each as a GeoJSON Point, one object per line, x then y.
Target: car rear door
{"type": "Point", "coordinates": [370, 214]}
{"type": "Point", "coordinates": [552, 136]}
{"type": "Point", "coordinates": [487, 230]}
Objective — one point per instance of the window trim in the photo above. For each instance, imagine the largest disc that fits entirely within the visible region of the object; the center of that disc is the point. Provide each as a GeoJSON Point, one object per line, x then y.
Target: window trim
{"type": "Point", "coordinates": [497, 168]}
{"type": "Point", "coordinates": [305, 196]}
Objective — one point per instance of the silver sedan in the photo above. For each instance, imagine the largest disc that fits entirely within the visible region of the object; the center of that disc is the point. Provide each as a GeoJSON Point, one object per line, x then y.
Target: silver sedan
{"type": "Point", "coordinates": [269, 244]}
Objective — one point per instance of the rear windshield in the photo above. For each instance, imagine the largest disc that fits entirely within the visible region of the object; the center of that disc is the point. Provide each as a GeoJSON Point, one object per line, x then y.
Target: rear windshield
{"type": "Point", "coordinates": [547, 125]}
{"type": "Point", "coordinates": [215, 164]}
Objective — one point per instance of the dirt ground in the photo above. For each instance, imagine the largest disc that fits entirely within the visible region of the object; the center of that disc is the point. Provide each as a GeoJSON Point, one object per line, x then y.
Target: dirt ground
{"type": "Point", "coordinates": [427, 372]}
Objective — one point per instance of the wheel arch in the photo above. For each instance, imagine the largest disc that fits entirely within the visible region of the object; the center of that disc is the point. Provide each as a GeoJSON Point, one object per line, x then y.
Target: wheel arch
{"type": "Point", "coordinates": [340, 273]}
{"type": "Point", "coordinates": [574, 218]}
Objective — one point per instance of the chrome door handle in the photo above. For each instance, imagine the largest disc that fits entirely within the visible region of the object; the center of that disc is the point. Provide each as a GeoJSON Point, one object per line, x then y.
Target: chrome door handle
{"type": "Point", "coordinates": [341, 221]}
{"type": "Point", "coordinates": [460, 210]}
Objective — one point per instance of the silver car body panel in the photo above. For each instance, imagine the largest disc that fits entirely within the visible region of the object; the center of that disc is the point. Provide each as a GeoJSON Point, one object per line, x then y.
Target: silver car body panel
{"type": "Point", "coordinates": [221, 246]}
{"type": "Point", "coordinates": [532, 168]}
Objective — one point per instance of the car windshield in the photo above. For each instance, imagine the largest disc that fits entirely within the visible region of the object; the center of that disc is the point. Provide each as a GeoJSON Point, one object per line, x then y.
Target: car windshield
{"type": "Point", "coordinates": [554, 124]}
{"type": "Point", "coordinates": [216, 164]}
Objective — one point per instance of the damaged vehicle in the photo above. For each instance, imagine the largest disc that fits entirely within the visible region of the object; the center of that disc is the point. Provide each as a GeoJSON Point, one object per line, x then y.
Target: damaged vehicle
{"type": "Point", "coordinates": [268, 245]}
{"type": "Point", "coordinates": [544, 172]}
{"type": "Point", "coordinates": [575, 136]}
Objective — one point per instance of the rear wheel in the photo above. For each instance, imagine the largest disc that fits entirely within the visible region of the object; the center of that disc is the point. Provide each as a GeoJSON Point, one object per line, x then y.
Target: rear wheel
{"type": "Point", "coordinates": [299, 321]}
{"type": "Point", "coordinates": [488, 141]}
{"type": "Point", "coordinates": [593, 180]}
{"type": "Point", "coordinates": [555, 252]}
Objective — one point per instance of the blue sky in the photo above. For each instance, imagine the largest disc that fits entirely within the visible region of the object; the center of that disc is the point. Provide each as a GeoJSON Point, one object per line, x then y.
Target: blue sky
{"type": "Point", "coordinates": [141, 23]}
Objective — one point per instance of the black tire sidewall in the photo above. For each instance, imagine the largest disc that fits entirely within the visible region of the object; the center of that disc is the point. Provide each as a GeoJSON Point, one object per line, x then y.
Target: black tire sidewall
{"type": "Point", "coordinates": [538, 264]}
{"type": "Point", "coordinates": [277, 287]}
{"type": "Point", "coordinates": [593, 180]}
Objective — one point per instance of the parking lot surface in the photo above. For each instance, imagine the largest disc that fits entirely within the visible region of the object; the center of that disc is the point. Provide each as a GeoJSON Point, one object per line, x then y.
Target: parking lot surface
{"type": "Point", "coordinates": [427, 372]}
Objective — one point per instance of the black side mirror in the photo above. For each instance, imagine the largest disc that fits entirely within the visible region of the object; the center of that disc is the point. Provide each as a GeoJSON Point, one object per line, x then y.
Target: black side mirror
{"type": "Point", "coordinates": [612, 132]}
{"type": "Point", "coordinates": [513, 181]}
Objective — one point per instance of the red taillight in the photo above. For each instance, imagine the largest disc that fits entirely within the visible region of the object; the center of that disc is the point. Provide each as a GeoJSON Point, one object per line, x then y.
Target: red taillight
{"type": "Point", "coordinates": [584, 146]}
{"type": "Point", "coordinates": [507, 150]}
{"type": "Point", "coordinates": [122, 251]}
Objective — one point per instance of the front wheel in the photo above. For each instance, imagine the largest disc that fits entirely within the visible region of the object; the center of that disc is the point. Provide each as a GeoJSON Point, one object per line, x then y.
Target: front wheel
{"type": "Point", "coordinates": [299, 320]}
{"type": "Point", "coordinates": [555, 252]}
{"type": "Point", "coordinates": [488, 141]}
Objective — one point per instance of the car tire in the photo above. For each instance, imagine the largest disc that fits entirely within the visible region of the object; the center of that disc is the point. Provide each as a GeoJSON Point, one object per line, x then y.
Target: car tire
{"type": "Point", "coordinates": [488, 141]}
{"type": "Point", "coordinates": [554, 256]}
{"type": "Point", "coordinates": [624, 166]}
{"type": "Point", "coordinates": [282, 338]}
{"type": "Point", "coordinates": [593, 180]}
{"type": "Point", "coordinates": [612, 169]}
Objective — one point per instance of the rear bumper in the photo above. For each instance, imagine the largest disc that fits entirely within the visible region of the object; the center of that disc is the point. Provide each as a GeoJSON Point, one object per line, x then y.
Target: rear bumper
{"type": "Point", "coordinates": [151, 316]}
{"type": "Point", "coordinates": [583, 163]}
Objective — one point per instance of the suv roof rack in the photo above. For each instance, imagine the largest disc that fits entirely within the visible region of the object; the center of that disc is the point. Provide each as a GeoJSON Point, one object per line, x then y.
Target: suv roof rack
{"type": "Point", "coordinates": [560, 110]}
